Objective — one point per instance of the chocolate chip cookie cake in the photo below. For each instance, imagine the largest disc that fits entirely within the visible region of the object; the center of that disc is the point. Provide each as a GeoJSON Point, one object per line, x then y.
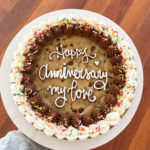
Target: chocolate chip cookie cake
{"type": "Point", "coordinates": [73, 77]}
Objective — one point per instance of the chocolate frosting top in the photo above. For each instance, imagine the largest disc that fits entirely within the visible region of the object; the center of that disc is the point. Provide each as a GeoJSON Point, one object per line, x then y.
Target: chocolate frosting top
{"type": "Point", "coordinates": [87, 120]}
{"type": "Point", "coordinates": [64, 119]}
{"type": "Point", "coordinates": [75, 120]}
{"type": "Point", "coordinates": [110, 100]}
{"type": "Point", "coordinates": [95, 114]}
{"type": "Point", "coordinates": [111, 50]}
{"type": "Point", "coordinates": [103, 108]}
{"type": "Point", "coordinates": [118, 70]}
{"type": "Point", "coordinates": [119, 80]}
{"type": "Point", "coordinates": [116, 60]}
{"type": "Point", "coordinates": [114, 89]}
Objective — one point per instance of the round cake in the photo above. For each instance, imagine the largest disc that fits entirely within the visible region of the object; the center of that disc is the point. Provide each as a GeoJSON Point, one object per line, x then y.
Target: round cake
{"type": "Point", "coordinates": [73, 77]}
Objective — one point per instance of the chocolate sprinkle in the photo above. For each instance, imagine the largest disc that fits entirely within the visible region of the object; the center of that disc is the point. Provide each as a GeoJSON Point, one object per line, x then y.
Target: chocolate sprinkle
{"type": "Point", "coordinates": [92, 48]}
{"type": "Point", "coordinates": [70, 63]}
{"type": "Point", "coordinates": [81, 110]}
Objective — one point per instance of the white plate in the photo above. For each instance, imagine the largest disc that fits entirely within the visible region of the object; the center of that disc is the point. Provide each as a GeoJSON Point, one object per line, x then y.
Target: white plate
{"type": "Point", "coordinates": [40, 137]}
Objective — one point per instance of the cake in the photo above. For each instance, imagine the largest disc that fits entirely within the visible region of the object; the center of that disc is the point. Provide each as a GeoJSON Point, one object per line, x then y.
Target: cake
{"type": "Point", "coordinates": [73, 77]}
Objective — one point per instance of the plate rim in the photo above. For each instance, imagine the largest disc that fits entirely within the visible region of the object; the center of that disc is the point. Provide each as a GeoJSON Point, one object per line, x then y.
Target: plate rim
{"type": "Point", "coordinates": [86, 144]}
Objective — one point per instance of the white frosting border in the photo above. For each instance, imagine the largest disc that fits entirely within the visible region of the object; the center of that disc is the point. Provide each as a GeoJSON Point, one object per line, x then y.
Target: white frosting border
{"type": "Point", "coordinates": [71, 133]}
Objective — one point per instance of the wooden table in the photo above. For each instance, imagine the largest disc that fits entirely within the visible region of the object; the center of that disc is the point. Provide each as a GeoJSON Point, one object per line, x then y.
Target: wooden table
{"type": "Point", "coordinates": [132, 15]}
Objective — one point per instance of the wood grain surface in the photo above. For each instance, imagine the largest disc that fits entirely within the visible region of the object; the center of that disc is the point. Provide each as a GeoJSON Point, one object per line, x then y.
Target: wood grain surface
{"type": "Point", "coordinates": [132, 15]}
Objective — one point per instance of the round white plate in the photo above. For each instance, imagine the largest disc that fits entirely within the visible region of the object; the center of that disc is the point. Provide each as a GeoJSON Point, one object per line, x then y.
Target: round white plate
{"type": "Point", "coordinates": [40, 137]}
